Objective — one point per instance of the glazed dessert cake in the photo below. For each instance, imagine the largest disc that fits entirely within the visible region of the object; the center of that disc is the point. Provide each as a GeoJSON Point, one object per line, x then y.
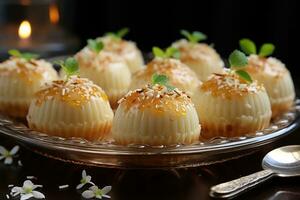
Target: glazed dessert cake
{"type": "Point", "coordinates": [180, 75]}
{"type": "Point", "coordinates": [106, 69]}
{"type": "Point", "coordinates": [156, 115]}
{"type": "Point", "coordinates": [230, 106]}
{"type": "Point", "coordinates": [20, 78]}
{"type": "Point", "coordinates": [200, 57]}
{"type": "Point", "coordinates": [276, 79]}
{"type": "Point", "coordinates": [71, 108]}
{"type": "Point", "coordinates": [126, 49]}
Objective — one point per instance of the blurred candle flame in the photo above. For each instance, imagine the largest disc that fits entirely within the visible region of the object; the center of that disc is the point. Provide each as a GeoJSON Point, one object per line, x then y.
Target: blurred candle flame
{"type": "Point", "coordinates": [24, 30]}
{"type": "Point", "coordinates": [53, 14]}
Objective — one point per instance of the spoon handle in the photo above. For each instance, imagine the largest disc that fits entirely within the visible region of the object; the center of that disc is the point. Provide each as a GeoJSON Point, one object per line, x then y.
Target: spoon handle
{"type": "Point", "coordinates": [237, 186]}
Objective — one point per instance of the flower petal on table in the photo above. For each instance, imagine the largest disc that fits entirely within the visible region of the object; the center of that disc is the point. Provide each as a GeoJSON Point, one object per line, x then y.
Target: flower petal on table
{"type": "Point", "coordinates": [2, 150]}
{"type": "Point", "coordinates": [26, 196]}
{"type": "Point", "coordinates": [83, 173]}
{"type": "Point", "coordinates": [88, 194]}
{"type": "Point", "coordinates": [106, 189]}
{"type": "Point", "coordinates": [8, 160]}
{"type": "Point", "coordinates": [38, 195]}
{"type": "Point", "coordinates": [14, 150]}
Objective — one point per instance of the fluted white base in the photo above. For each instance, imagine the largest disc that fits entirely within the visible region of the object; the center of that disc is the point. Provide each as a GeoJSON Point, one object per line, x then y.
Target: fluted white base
{"type": "Point", "coordinates": [232, 117]}
{"type": "Point", "coordinates": [91, 120]}
{"type": "Point", "coordinates": [280, 89]}
{"type": "Point", "coordinates": [136, 126]}
{"type": "Point", "coordinates": [16, 94]}
{"type": "Point", "coordinates": [114, 80]}
{"type": "Point", "coordinates": [205, 68]}
{"type": "Point", "coordinates": [134, 61]}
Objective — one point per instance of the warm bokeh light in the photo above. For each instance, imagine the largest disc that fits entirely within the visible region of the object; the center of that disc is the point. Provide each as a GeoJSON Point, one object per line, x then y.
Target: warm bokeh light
{"type": "Point", "coordinates": [53, 14]}
{"type": "Point", "coordinates": [25, 30]}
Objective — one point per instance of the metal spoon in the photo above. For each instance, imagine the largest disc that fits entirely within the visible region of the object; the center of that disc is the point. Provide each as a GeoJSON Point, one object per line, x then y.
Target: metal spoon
{"type": "Point", "coordinates": [282, 162]}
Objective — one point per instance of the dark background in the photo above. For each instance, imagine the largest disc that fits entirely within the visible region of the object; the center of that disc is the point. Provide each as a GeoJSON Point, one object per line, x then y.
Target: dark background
{"type": "Point", "coordinates": [224, 21]}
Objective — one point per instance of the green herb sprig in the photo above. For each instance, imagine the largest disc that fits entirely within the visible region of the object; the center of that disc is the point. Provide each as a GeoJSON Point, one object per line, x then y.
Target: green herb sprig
{"type": "Point", "coordinates": [70, 66]}
{"type": "Point", "coordinates": [238, 60]}
{"type": "Point", "coordinates": [95, 45]}
{"type": "Point", "coordinates": [193, 37]}
{"type": "Point", "coordinates": [27, 56]}
{"type": "Point", "coordinates": [170, 52]}
{"type": "Point", "coordinates": [119, 34]}
{"type": "Point", "coordinates": [161, 80]}
{"type": "Point", "coordinates": [249, 47]}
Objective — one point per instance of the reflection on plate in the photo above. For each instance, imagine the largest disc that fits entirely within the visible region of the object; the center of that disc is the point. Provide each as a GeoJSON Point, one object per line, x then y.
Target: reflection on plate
{"type": "Point", "coordinates": [106, 153]}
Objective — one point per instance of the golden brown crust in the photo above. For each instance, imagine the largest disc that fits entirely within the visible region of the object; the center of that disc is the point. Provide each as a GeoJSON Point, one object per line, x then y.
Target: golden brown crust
{"type": "Point", "coordinates": [229, 86]}
{"type": "Point", "coordinates": [27, 70]}
{"type": "Point", "coordinates": [91, 133]}
{"type": "Point", "coordinates": [158, 98]}
{"type": "Point", "coordinates": [190, 139]}
{"type": "Point", "coordinates": [279, 109]}
{"type": "Point", "coordinates": [269, 66]}
{"type": "Point", "coordinates": [119, 46]}
{"type": "Point", "coordinates": [14, 110]}
{"type": "Point", "coordinates": [190, 52]}
{"type": "Point", "coordinates": [211, 129]}
{"type": "Point", "coordinates": [177, 72]}
{"type": "Point", "coordinates": [75, 91]}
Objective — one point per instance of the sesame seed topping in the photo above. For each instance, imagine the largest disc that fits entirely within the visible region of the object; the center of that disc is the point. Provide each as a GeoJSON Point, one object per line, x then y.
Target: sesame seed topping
{"type": "Point", "coordinates": [75, 91]}
{"type": "Point", "coordinates": [158, 98]}
{"type": "Point", "coordinates": [228, 85]}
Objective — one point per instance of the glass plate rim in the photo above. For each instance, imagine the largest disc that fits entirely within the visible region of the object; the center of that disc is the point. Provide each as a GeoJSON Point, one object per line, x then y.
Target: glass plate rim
{"type": "Point", "coordinates": [20, 132]}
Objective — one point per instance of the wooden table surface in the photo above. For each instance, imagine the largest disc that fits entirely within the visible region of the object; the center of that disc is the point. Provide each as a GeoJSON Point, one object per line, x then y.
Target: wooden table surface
{"type": "Point", "coordinates": [187, 184]}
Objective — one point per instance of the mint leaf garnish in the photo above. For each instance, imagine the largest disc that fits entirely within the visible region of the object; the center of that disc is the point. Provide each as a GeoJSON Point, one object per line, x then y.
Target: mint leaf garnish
{"type": "Point", "coordinates": [95, 45]}
{"type": "Point", "coordinates": [193, 37]}
{"type": "Point", "coordinates": [70, 66]}
{"type": "Point", "coordinates": [26, 56]}
{"type": "Point", "coordinates": [158, 52]}
{"type": "Point", "coordinates": [266, 49]}
{"type": "Point", "coordinates": [248, 46]}
{"type": "Point", "coordinates": [244, 75]}
{"type": "Point", "coordinates": [237, 59]}
{"type": "Point", "coordinates": [119, 34]}
{"type": "Point", "coordinates": [171, 52]}
{"type": "Point", "coordinates": [122, 32]}
{"type": "Point", "coordinates": [161, 80]}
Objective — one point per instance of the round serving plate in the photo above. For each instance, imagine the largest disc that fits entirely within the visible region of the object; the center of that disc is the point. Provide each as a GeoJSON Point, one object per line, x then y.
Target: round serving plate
{"type": "Point", "coordinates": [108, 154]}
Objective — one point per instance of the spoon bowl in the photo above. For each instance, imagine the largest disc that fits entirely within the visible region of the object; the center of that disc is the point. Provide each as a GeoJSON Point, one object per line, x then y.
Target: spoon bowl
{"type": "Point", "coordinates": [282, 162]}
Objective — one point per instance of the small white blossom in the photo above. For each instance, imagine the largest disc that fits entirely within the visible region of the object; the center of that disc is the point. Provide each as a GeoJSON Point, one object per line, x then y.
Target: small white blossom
{"type": "Point", "coordinates": [27, 191]}
{"type": "Point", "coordinates": [95, 192]}
{"type": "Point", "coordinates": [86, 179]}
{"type": "Point", "coordinates": [8, 155]}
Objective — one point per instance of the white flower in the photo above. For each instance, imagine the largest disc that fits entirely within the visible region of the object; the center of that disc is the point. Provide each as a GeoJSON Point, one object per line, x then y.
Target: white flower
{"type": "Point", "coordinates": [84, 180]}
{"type": "Point", "coordinates": [95, 192]}
{"type": "Point", "coordinates": [8, 155]}
{"type": "Point", "coordinates": [27, 191]}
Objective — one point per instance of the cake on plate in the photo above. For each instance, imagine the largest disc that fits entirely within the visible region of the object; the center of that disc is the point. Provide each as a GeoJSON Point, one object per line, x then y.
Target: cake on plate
{"type": "Point", "coordinates": [106, 69]}
{"type": "Point", "coordinates": [231, 104]}
{"type": "Point", "coordinates": [156, 114]}
{"type": "Point", "coordinates": [272, 73]}
{"type": "Point", "coordinates": [200, 57]}
{"type": "Point", "coordinates": [180, 75]}
{"type": "Point", "coordinates": [20, 77]}
{"type": "Point", "coordinates": [74, 107]}
{"type": "Point", "coordinates": [128, 50]}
